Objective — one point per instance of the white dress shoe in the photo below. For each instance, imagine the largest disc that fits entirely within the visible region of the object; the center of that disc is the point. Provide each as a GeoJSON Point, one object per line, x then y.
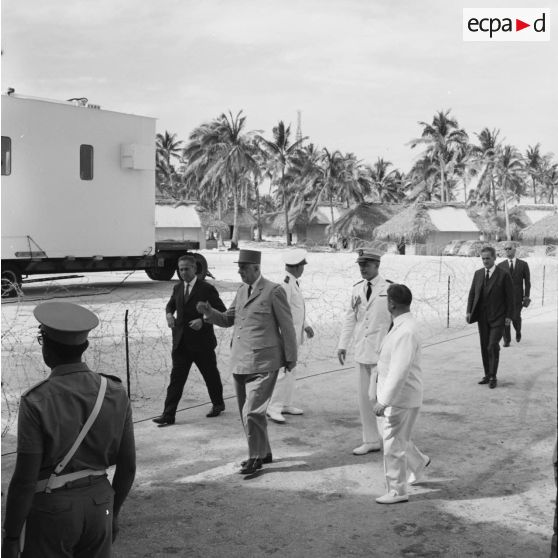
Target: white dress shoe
{"type": "Point", "coordinates": [392, 498]}
{"type": "Point", "coordinates": [367, 448]}
{"type": "Point", "coordinates": [418, 476]}
{"type": "Point", "coordinates": [288, 410]}
{"type": "Point", "coordinates": [275, 416]}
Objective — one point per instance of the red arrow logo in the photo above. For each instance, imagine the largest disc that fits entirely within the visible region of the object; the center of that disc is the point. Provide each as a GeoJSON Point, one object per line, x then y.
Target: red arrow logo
{"type": "Point", "coordinates": [519, 25]}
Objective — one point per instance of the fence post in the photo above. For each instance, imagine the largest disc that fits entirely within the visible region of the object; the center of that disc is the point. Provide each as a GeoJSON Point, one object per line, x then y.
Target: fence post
{"type": "Point", "coordinates": [449, 293]}
{"type": "Point", "coordinates": [127, 353]}
{"type": "Point", "coordinates": [544, 273]}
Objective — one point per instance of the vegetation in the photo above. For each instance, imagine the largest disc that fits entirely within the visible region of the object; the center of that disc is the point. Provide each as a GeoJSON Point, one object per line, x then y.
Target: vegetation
{"type": "Point", "coordinates": [224, 166]}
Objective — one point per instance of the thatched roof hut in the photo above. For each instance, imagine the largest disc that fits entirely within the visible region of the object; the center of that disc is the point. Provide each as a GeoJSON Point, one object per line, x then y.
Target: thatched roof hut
{"type": "Point", "coordinates": [211, 223]}
{"type": "Point", "coordinates": [360, 221]}
{"type": "Point", "coordinates": [544, 231]}
{"type": "Point", "coordinates": [244, 218]}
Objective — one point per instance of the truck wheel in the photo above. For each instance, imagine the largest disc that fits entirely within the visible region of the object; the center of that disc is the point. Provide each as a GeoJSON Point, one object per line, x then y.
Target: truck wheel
{"type": "Point", "coordinates": [160, 273]}
{"type": "Point", "coordinates": [11, 281]}
{"type": "Point", "coordinates": [201, 265]}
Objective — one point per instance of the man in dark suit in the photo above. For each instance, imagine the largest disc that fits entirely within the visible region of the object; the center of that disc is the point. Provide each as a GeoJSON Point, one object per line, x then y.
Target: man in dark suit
{"type": "Point", "coordinates": [521, 281]}
{"type": "Point", "coordinates": [193, 340]}
{"type": "Point", "coordinates": [490, 304]}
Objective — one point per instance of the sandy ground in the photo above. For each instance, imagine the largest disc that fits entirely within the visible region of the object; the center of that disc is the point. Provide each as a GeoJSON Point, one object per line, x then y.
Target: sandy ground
{"type": "Point", "coordinates": [489, 490]}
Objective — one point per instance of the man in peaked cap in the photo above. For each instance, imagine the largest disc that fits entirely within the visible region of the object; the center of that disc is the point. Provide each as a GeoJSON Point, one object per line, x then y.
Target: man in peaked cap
{"type": "Point", "coordinates": [281, 400]}
{"type": "Point", "coordinates": [60, 502]}
{"type": "Point", "coordinates": [263, 341]}
{"type": "Point", "coordinates": [367, 321]}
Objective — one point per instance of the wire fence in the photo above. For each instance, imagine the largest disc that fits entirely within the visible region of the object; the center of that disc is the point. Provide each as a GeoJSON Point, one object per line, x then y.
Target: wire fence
{"type": "Point", "coordinates": [440, 286]}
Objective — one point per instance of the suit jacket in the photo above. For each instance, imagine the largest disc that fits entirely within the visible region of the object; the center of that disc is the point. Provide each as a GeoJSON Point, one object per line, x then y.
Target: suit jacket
{"type": "Point", "coordinates": [366, 321]}
{"type": "Point", "coordinates": [498, 298]}
{"type": "Point", "coordinates": [521, 280]}
{"type": "Point", "coordinates": [264, 337]}
{"type": "Point", "coordinates": [399, 371]}
{"type": "Point", "coordinates": [201, 340]}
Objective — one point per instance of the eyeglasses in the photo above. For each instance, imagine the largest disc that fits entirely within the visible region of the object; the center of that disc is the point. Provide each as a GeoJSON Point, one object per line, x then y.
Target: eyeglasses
{"type": "Point", "coordinates": [40, 339]}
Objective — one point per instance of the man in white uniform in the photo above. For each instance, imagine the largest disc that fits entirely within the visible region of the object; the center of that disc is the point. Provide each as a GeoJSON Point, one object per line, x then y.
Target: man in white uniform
{"type": "Point", "coordinates": [280, 403]}
{"type": "Point", "coordinates": [367, 321]}
{"type": "Point", "coordinates": [400, 397]}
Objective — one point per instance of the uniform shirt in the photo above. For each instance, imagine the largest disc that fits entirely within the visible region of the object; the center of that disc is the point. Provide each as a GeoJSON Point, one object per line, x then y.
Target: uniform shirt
{"type": "Point", "coordinates": [296, 303]}
{"type": "Point", "coordinates": [52, 414]}
{"type": "Point", "coordinates": [399, 371]}
{"type": "Point", "coordinates": [366, 321]}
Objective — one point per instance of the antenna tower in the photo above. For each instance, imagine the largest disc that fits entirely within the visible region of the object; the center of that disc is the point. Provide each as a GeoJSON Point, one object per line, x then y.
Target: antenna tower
{"type": "Point", "coordinates": [298, 125]}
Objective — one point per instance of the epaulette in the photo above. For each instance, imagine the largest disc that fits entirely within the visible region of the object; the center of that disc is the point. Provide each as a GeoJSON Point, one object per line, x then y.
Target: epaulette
{"type": "Point", "coordinates": [287, 279]}
{"type": "Point", "coordinates": [115, 378]}
{"type": "Point", "coordinates": [358, 282]}
{"type": "Point", "coordinates": [34, 387]}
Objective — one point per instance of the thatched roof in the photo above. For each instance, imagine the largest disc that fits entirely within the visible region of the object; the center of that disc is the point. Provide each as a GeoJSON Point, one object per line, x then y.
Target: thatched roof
{"type": "Point", "coordinates": [486, 221]}
{"type": "Point", "coordinates": [360, 221]}
{"type": "Point", "coordinates": [546, 229]}
{"type": "Point", "coordinates": [210, 222]}
{"type": "Point", "coordinates": [416, 222]}
{"type": "Point", "coordinates": [244, 218]}
{"type": "Point", "coordinates": [275, 222]}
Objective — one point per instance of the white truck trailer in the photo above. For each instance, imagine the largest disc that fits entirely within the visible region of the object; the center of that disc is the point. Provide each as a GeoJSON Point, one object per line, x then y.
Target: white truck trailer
{"type": "Point", "coordinates": [78, 192]}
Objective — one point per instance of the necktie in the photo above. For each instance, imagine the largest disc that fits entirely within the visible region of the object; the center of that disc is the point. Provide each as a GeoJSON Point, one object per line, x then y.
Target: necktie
{"type": "Point", "coordinates": [368, 291]}
{"type": "Point", "coordinates": [249, 290]}
{"type": "Point", "coordinates": [511, 266]}
{"type": "Point", "coordinates": [187, 291]}
{"type": "Point", "coordinates": [487, 277]}
{"type": "Point", "coordinates": [297, 284]}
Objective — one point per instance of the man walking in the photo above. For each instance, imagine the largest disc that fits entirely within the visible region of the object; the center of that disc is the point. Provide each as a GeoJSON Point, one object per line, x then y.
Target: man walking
{"type": "Point", "coordinates": [263, 341]}
{"type": "Point", "coordinates": [193, 340]}
{"type": "Point", "coordinates": [521, 281]}
{"type": "Point", "coordinates": [72, 427]}
{"type": "Point", "coordinates": [400, 398]}
{"type": "Point", "coordinates": [281, 400]}
{"type": "Point", "coordinates": [367, 321]}
{"type": "Point", "coordinates": [490, 304]}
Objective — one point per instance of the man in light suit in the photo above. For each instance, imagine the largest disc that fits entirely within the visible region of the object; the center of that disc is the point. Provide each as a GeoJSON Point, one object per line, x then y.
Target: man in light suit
{"type": "Point", "coordinates": [490, 304]}
{"type": "Point", "coordinates": [400, 397]}
{"type": "Point", "coordinates": [281, 401]}
{"type": "Point", "coordinates": [263, 341]}
{"type": "Point", "coordinates": [521, 281]}
{"type": "Point", "coordinates": [193, 341]}
{"type": "Point", "coordinates": [367, 321]}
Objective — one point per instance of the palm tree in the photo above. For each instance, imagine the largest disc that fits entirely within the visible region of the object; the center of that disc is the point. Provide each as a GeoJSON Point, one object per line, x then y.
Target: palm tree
{"type": "Point", "coordinates": [168, 148]}
{"type": "Point", "coordinates": [441, 139]}
{"type": "Point", "coordinates": [356, 183]}
{"type": "Point", "coordinates": [534, 163]}
{"type": "Point", "coordinates": [386, 184]}
{"type": "Point", "coordinates": [422, 184]}
{"type": "Point", "coordinates": [485, 154]}
{"type": "Point", "coordinates": [222, 153]}
{"type": "Point", "coordinates": [282, 152]}
{"type": "Point", "coordinates": [509, 170]}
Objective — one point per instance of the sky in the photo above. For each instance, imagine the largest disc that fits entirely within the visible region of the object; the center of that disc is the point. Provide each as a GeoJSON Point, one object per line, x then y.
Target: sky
{"type": "Point", "coordinates": [363, 73]}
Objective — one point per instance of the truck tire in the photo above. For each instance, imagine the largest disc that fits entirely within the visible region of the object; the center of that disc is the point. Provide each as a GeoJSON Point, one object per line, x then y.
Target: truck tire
{"type": "Point", "coordinates": [11, 281]}
{"type": "Point", "coordinates": [201, 264]}
{"type": "Point", "coordinates": [160, 273]}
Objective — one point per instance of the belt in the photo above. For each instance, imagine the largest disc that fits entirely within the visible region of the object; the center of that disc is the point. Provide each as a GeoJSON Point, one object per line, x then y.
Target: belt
{"type": "Point", "coordinates": [59, 481]}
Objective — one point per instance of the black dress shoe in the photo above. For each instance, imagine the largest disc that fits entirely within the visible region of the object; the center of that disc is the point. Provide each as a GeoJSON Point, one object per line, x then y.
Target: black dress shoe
{"type": "Point", "coordinates": [216, 410]}
{"type": "Point", "coordinates": [485, 380]}
{"type": "Point", "coordinates": [518, 337]}
{"type": "Point", "coordinates": [252, 466]}
{"type": "Point", "coordinates": [506, 343]}
{"type": "Point", "coordinates": [267, 459]}
{"type": "Point", "coordinates": [164, 421]}
{"type": "Point", "coordinates": [493, 383]}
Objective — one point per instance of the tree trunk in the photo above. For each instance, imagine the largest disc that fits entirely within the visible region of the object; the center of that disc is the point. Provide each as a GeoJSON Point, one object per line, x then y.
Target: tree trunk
{"type": "Point", "coordinates": [234, 239]}
{"type": "Point", "coordinates": [220, 242]}
{"type": "Point", "coordinates": [442, 179]}
{"type": "Point", "coordinates": [285, 207]}
{"type": "Point", "coordinates": [508, 235]}
{"type": "Point", "coordinates": [258, 211]}
{"type": "Point", "coordinates": [534, 190]}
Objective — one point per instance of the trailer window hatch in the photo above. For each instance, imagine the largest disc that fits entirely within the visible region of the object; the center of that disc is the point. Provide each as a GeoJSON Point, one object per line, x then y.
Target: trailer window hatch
{"type": "Point", "coordinates": [6, 156]}
{"type": "Point", "coordinates": [86, 162]}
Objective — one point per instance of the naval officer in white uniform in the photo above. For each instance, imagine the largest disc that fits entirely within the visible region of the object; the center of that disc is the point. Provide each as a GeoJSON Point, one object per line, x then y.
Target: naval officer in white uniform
{"type": "Point", "coordinates": [367, 321]}
{"type": "Point", "coordinates": [281, 401]}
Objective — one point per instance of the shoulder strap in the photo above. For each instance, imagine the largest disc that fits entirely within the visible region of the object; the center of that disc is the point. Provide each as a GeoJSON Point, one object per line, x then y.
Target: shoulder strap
{"type": "Point", "coordinates": [88, 424]}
